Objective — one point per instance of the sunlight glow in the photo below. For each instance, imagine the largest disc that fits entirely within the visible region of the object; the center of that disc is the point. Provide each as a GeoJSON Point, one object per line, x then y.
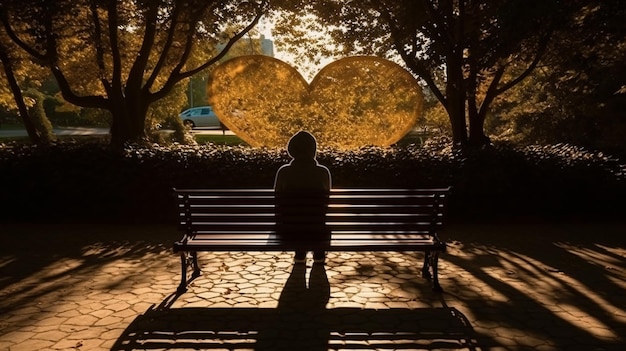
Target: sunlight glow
{"type": "Point", "coordinates": [611, 257]}
{"type": "Point", "coordinates": [548, 286]}
{"type": "Point", "coordinates": [6, 261]}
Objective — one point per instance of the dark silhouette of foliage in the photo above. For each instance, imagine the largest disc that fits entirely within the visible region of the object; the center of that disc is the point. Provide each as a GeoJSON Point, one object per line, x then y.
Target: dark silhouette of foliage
{"type": "Point", "coordinates": [124, 56]}
{"type": "Point", "coordinates": [466, 52]}
{"type": "Point", "coordinates": [92, 182]}
{"type": "Point", "coordinates": [577, 95]}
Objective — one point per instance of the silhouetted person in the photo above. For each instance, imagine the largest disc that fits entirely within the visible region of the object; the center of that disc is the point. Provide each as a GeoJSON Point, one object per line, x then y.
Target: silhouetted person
{"type": "Point", "coordinates": [302, 188]}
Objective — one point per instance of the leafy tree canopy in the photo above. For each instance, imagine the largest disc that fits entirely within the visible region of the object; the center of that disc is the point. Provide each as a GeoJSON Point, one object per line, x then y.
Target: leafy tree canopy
{"type": "Point", "coordinates": [576, 94]}
{"type": "Point", "coordinates": [460, 49]}
{"type": "Point", "coordinates": [122, 56]}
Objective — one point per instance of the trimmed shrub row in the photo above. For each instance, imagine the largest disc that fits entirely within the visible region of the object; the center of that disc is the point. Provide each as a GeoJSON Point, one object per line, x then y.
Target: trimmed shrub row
{"type": "Point", "coordinates": [71, 182]}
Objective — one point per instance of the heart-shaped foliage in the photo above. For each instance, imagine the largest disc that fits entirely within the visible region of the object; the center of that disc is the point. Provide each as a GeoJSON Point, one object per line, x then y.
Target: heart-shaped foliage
{"type": "Point", "coordinates": [350, 103]}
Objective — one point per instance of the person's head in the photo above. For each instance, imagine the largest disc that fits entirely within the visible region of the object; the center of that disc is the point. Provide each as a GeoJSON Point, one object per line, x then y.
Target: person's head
{"type": "Point", "coordinates": [302, 145]}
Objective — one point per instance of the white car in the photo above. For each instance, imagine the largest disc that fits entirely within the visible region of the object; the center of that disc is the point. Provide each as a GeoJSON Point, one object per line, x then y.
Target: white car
{"type": "Point", "coordinates": [200, 117]}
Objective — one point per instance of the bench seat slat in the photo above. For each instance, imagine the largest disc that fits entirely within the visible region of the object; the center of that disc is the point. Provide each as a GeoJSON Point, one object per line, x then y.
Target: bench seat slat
{"type": "Point", "coordinates": [260, 235]}
{"type": "Point", "coordinates": [405, 246]}
{"type": "Point", "coordinates": [331, 215]}
{"type": "Point", "coordinates": [332, 208]}
{"type": "Point", "coordinates": [338, 230]}
{"type": "Point", "coordinates": [277, 245]}
{"type": "Point", "coordinates": [355, 191]}
{"type": "Point", "coordinates": [226, 242]}
{"type": "Point", "coordinates": [336, 216]}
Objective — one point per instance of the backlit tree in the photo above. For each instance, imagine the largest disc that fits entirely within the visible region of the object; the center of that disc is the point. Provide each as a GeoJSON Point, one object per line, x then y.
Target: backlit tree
{"type": "Point", "coordinates": [460, 49]}
{"type": "Point", "coordinates": [122, 56]}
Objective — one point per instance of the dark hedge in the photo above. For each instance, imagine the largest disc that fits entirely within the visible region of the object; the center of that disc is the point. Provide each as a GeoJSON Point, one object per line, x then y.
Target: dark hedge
{"type": "Point", "coordinates": [69, 182]}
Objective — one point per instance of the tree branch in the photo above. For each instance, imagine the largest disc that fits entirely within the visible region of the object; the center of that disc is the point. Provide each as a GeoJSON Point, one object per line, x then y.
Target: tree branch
{"type": "Point", "coordinates": [440, 25]}
{"type": "Point", "coordinates": [73, 98]}
{"type": "Point", "coordinates": [98, 44]}
{"type": "Point", "coordinates": [231, 42]}
{"type": "Point", "coordinates": [410, 59]}
{"type": "Point", "coordinates": [177, 75]}
{"type": "Point", "coordinates": [135, 76]}
{"type": "Point", "coordinates": [7, 64]}
{"type": "Point", "coordinates": [116, 74]}
{"type": "Point", "coordinates": [543, 44]}
{"type": "Point", "coordinates": [41, 58]}
{"type": "Point", "coordinates": [492, 92]}
{"type": "Point", "coordinates": [166, 47]}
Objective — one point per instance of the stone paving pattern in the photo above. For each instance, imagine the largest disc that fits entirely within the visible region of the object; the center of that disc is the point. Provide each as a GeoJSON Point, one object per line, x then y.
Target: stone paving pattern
{"type": "Point", "coordinates": [508, 286]}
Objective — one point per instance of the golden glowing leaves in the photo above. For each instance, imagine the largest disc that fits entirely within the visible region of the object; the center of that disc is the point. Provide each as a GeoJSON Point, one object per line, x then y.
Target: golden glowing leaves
{"type": "Point", "coordinates": [352, 102]}
{"type": "Point", "coordinates": [259, 98]}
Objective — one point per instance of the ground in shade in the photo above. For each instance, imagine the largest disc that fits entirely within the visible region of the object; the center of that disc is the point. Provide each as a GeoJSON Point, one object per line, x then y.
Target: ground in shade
{"type": "Point", "coordinates": [508, 286]}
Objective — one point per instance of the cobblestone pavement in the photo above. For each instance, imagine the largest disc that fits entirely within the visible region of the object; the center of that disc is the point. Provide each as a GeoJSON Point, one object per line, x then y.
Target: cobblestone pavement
{"type": "Point", "coordinates": [522, 286]}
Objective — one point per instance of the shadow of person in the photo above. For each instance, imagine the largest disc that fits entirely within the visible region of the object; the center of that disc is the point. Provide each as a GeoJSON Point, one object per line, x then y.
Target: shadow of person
{"type": "Point", "coordinates": [301, 321]}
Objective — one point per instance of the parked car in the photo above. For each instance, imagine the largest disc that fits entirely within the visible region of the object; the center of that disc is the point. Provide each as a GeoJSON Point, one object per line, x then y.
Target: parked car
{"type": "Point", "coordinates": [200, 117]}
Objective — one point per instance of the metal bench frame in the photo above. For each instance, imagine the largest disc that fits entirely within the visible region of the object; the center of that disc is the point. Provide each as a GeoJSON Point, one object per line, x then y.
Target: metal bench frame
{"type": "Point", "coordinates": [400, 220]}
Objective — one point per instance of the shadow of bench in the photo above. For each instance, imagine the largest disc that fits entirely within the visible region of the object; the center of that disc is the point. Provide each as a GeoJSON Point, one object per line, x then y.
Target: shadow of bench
{"type": "Point", "coordinates": [275, 329]}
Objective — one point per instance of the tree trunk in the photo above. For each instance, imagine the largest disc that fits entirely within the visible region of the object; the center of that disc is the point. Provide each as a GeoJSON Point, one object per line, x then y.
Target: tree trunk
{"type": "Point", "coordinates": [476, 118]}
{"type": "Point", "coordinates": [455, 105]}
{"type": "Point", "coordinates": [459, 126]}
{"type": "Point", "coordinates": [33, 134]}
{"type": "Point", "coordinates": [477, 137]}
{"type": "Point", "coordinates": [128, 120]}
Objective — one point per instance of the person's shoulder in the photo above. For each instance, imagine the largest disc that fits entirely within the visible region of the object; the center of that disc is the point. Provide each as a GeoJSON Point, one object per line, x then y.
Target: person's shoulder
{"type": "Point", "coordinates": [323, 168]}
{"type": "Point", "coordinates": [283, 168]}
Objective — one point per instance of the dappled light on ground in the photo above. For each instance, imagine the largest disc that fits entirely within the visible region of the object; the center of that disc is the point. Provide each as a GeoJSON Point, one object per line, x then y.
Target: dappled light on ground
{"type": "Point", "coordinates": [509, 285]}
{"type": "Point", "coordinates": [352, 102]}
{"type": "Point", "coordinates": [562, 293]}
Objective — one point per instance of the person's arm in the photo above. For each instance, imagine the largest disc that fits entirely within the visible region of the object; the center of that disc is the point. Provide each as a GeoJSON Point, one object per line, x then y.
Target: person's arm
{"type": "Point", "coordinates": [327, 179]}
{"type": "Point", "coordinates": [279, 181]}
{"type": "Point", "coordinates": [330, 181]}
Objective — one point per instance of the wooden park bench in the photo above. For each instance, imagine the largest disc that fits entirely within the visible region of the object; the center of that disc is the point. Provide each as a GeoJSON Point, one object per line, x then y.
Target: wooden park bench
{"type": "Point", "coordinates": [401, 220]}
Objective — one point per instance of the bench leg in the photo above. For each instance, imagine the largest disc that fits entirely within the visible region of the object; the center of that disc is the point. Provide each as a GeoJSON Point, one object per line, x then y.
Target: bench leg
{"type": "Point", "coordinates": [431, 262]}
{"type": "Point", "coordinates": [183, 276]}
{"type": "Point", "coordinates": [196, 267]}
{"type": "Point", "coordinates": [426, 266]}
{"type": "Point", "coordinates": [188, 259]}
{"type": "Point", "coordinates": [435, 265]}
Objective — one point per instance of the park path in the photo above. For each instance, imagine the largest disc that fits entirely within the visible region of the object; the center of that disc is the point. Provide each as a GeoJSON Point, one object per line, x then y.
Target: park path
{"type": "Point", "coordinates": [508, 286]}
{"type": "Point", "coordinates": [81, 131]}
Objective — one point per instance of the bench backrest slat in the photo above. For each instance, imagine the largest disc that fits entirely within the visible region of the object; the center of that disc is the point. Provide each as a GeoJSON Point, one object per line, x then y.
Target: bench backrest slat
{"type": "Point", "coordinates": [380, 212]}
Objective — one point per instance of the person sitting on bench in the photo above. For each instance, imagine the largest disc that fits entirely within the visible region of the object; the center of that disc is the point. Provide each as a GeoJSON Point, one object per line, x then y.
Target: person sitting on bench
{"type": "Point", "coordinates": [296, 183]}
